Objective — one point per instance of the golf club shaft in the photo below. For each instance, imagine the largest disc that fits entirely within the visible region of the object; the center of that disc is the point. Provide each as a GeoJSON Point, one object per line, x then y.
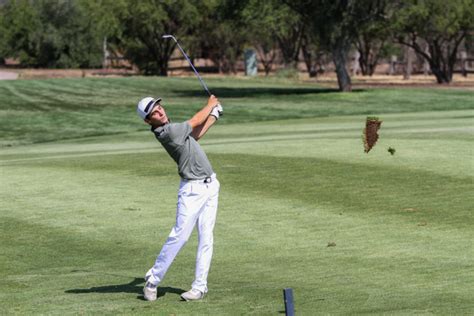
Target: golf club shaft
{"type": "Point", "coordinates": [190, 63]}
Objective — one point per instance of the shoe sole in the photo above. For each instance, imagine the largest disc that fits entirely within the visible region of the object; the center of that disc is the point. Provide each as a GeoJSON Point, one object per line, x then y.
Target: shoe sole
{"type": "Point", "coordinates": [148, 300]}
{"type": "Point", "coordinates": [190, 299]}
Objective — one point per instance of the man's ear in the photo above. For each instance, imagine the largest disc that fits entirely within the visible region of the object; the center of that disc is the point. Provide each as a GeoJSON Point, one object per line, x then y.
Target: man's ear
{"type": "Point", "coordinates": [147, 121]}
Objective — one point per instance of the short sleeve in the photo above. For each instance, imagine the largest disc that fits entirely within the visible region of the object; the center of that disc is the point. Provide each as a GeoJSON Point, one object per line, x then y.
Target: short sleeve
{"type": "Point", "coordinates": [179, 132]}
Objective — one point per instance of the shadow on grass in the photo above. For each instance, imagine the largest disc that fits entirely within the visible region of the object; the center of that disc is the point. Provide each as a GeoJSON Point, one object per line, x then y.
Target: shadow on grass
{"type": "Point", "coordinates": [255, 92]}
{"type": "Point", "coordinates": [135, 286]}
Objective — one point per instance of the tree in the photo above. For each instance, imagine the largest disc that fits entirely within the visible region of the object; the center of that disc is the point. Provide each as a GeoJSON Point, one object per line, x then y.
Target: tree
{"type": "Point", "coordinates": [261, 19]}
{"type": "Point", "coordinates": [336, 23]}
{"type": "Point", "coordinates": [313, 55]}
{"type": "Point", "coordinates": [50, 33]}
{"type": "Point", "coordinates": [104, 16]}
{"type": "Point", "coordinates": [146, 21]}
{"type": "Point", "coordinates": [267, 53]}
{"type": "Point", "coordinates": [21, 24]}
{"type": "Point", "coordinates": [223, 44]}
{"type": "Point", "coordinates": [3, 35]}
{"type": "Point", "coordinates": [442, 25]}
{"type": "Point", "coordinates": [222, 33]}
{"type": "Point", "coordinates": [289, 36]}
{"type": "Point", "coordinates": [329, 20]}
{"type": "Point", "coordinates": [272, 26]}
{"type": "Point", "coordinates": [372, 37]}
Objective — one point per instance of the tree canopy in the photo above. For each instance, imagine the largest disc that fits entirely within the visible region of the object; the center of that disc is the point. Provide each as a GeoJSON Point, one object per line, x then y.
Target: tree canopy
{"type": "Point", "coordinates": [68, 33]}
{"type": "Point", "coordinates": [435, 29]}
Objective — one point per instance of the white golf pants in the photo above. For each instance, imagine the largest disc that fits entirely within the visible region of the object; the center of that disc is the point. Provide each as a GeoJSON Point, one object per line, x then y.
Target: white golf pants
{"type": "Point", "coordinates": [197, 206]}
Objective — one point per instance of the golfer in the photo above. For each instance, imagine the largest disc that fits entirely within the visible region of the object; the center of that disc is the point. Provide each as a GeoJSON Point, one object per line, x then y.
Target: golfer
{"type": "Point", "coordinates": [198, 191]}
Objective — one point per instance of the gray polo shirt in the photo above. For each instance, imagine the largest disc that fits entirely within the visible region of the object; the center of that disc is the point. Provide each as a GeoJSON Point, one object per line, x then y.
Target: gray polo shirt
{"type": "Point", "coordinates": [184, 149]}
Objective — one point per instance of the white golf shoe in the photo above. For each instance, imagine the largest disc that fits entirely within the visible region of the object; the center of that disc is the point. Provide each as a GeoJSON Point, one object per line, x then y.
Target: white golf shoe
{"type": "Point", "coordinates": [192, 295]}
{"type": "Point", "coordinates": [150, 292]}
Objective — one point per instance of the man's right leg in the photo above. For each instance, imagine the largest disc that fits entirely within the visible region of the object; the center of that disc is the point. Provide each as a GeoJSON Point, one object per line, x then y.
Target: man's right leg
{"type": "Point", "coordinates": [186, 216]}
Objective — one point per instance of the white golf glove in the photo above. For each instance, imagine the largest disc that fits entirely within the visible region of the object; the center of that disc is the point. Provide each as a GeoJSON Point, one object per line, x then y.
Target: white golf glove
{"type": "Point", "coordinates": [217, 111]}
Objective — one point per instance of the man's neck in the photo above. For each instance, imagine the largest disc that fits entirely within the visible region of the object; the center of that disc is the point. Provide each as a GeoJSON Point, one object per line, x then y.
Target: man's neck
{"type": "Point", "coordinates": [156, 126]}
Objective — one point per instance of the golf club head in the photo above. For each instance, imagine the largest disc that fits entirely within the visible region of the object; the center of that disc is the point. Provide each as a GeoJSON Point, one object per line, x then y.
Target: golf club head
{"type": "Point", "coordinates": [189, 61]}
{"type": "Point", "coordinates": [169, 36]}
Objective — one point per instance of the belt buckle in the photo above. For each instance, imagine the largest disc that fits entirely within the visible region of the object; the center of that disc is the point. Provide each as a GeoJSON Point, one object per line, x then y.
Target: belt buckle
{"type": "Point", "coordinates": [208, 180]}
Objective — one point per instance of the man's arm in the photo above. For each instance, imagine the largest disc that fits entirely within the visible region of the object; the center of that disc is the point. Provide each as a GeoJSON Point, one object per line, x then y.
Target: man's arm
{"type": "Point", "coordinates": [200, 130]}
{"type": "Point", "coordinates": [201, 116]}
{"type": "Point", "coordinates": [201, 121]}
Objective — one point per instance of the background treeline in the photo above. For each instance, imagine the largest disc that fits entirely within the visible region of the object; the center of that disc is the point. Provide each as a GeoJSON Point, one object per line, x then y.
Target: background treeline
{"type": "Point", "coordinates": [72, 33]}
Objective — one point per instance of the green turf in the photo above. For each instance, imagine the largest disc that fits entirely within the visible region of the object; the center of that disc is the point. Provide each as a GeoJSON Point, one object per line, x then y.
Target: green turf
{"type": "Point", "coordinates": [88, 197]}
{"type": "Point", "coordinates": [47, 110]}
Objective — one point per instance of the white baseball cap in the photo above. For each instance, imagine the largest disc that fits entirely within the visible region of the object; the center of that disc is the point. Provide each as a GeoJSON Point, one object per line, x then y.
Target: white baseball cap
{"type": "Point", "coordinates": [146, 105]}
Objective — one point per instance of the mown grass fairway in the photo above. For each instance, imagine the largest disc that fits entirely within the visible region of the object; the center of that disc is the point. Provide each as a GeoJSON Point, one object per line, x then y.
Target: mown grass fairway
{"type": "Point", "coordinates": [88, 198]}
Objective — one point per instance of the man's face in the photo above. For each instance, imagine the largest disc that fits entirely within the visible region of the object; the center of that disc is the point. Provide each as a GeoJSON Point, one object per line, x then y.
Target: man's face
{"type": "Point", "coordinates": [157, 116]}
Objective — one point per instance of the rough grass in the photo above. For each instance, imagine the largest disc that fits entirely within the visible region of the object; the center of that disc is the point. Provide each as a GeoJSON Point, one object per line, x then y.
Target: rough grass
{"type": "Point", "coordinates": [301, 204]}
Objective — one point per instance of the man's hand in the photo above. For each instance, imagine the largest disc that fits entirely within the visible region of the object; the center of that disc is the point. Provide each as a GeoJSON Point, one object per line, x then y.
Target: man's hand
{"type": "Point", "coordinates": [201, 116]}
{"type": "Point", "coordinates": [217, 111]}
{"type": "Point", "coordinates": [212, 102]}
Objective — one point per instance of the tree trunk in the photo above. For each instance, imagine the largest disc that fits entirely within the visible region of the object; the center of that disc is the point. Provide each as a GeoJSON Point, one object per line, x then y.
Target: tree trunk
{"type": "Point", "coordinates": [339, 53]}
{"type": "Point", "coordinates": [290, 46]}
{"type": "Point", "coordinates": [426, 64]}
{"type": "Point", "coordinates": [464, 64]}
{"type": "Point", "coordinates": [309, 59]}
{"type": "Point", "coordinates": [361, 46]}
{"type": "Point", "coordinates": [266, 57]}
{"type": "Point", "coordinates": [310, 67]}
{"type": "Point", "coordinates": [163, 68]}
{"type": "Point", "coordinates": [369, 50]}
{"type": "Point", "coordinates": [441, 76]}
{"type": "Point", "coordinates": [439, 64]}
{"type": "Point", "coordinates": [408, 63]}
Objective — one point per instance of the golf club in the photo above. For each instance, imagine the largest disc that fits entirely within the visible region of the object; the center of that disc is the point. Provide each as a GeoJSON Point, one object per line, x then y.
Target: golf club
{"type": "Point", "coordinates": [190, 63]}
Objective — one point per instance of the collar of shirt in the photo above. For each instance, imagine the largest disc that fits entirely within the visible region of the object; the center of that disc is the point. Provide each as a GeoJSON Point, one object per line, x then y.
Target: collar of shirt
{"type": "Point", "coordinates": [159, 130]}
